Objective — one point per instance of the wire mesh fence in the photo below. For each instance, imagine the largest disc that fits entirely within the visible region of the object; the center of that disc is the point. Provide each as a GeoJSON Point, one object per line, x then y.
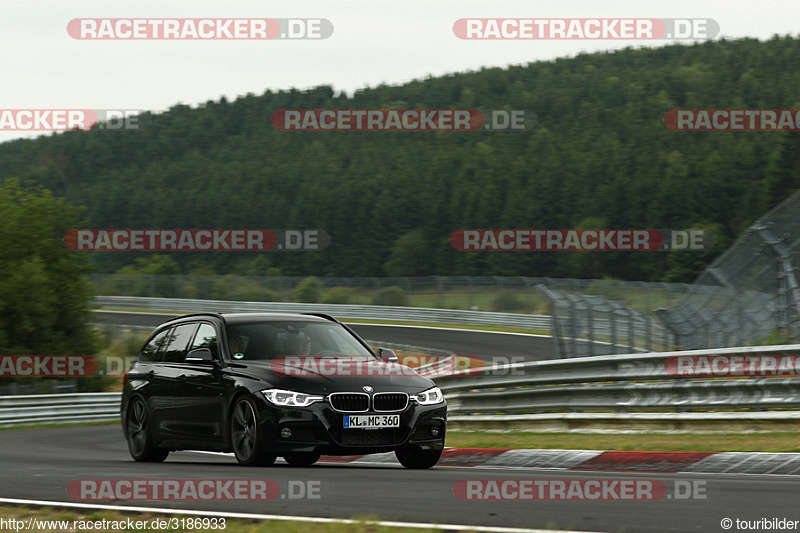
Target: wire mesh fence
{"type": "Point", "coordinates": [749, 294]}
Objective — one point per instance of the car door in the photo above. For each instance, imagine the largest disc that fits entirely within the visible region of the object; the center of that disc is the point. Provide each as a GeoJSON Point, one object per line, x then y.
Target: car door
{"type": "Point", "coordinates": [165, 379]}
{"type": "Point", "coordinates": [153, 392]}
{"type": "Point", "coordinates": [201, 399]}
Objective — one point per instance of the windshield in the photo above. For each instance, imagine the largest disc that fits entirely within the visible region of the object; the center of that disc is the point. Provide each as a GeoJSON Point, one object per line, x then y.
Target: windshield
{"type": "Point", "coordinates": [270, 339]}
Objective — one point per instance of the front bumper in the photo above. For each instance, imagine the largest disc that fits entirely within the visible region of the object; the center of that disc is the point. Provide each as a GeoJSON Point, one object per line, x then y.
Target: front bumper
{"type": "Point", "coordinates": [318, 428]}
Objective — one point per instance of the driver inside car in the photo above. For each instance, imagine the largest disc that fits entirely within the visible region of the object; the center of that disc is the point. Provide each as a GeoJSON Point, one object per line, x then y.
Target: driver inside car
{"type": "Point", "coordinates": [300, 344]}
{"type": "Point", "coordinates": [236, 346]}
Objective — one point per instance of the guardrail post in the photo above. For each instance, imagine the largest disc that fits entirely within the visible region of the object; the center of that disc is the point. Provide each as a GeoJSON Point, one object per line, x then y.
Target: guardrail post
{"type": "Point", "coordinates": [528, 295]}
{"type": "Point", "coordinates": [648, 332]}
{"type": "Point", "coordinates": [613, 320]}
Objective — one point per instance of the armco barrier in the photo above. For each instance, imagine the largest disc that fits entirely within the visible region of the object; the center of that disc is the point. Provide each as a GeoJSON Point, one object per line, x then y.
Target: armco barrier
{"type": "Point", "coordinates": [59, 408]}
{"type": "Point", "coordinates": [619, 383]}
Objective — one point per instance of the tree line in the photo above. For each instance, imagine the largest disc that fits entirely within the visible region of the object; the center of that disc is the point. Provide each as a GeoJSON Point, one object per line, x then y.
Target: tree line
{"type": "Point", "coordinates": [599, 156]}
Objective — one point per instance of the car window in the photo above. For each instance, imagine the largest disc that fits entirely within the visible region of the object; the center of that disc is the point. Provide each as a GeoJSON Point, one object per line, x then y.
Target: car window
{"type": "Point", "coordinates": [154, 349]}
{"type": "Point", "coordinates": [206, 337]}
{"type": "Point", "coordinates": [269, 339]}
{"type": "Point", "coordinates": [179, 341]}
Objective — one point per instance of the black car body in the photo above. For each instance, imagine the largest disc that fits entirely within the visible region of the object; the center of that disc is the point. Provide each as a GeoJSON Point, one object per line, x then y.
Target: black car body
{"type": "Point", "coordinates": [188, 391]}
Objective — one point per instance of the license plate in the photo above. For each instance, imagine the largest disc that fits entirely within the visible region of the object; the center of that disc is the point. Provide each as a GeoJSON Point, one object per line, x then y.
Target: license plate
{"type": "Point", "coordinates": [371, 421]}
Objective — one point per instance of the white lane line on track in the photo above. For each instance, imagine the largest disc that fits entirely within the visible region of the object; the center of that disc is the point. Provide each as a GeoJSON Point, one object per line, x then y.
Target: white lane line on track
{"type": "Point", "coordinates": [253, 516]}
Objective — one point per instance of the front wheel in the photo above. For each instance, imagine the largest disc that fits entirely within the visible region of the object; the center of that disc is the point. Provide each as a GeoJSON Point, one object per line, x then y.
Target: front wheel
{"type": "Point", "coordinates": [413, 457]}
{"type": "Point", "coordinates": [140, 441]}
{"type": "Point", "coordinates": [246, 436]}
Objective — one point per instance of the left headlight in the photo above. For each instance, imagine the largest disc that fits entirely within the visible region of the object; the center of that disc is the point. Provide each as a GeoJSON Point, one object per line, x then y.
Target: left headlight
{"type": "Point", "coordinates": [287, 398]}
{"type": "Point", "coordinates": [429, 397]}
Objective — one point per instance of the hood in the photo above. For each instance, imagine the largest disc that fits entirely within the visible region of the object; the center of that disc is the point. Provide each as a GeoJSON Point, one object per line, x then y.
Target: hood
{"type": "Point", "coordinates": [316, 375]}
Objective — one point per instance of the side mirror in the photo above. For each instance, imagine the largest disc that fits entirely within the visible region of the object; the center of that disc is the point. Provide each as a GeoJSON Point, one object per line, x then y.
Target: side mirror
{"type": "Point", "coordinates": [387, 355]}
{"type": "Point", "coordinates": [200, 356]}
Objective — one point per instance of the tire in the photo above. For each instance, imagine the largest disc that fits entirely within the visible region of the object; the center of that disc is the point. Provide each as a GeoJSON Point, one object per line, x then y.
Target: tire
{"type": "Point", "coordinates": [412, 457]}
{"type": "Point", "coordinates": [302, 458]}
{"type": "Point", "coordinates": [140, 440]}
{"type": "Point", "coordinates": [246, 436]}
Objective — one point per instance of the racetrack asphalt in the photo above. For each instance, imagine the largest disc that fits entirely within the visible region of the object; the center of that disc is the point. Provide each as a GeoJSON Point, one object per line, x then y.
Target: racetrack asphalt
{"type": "Point", "coordinates": [39, 463]}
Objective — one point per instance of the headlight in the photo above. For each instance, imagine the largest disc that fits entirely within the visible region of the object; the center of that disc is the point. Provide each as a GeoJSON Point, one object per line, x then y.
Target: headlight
{"type": "Point", "coordinates": [287, 398]}
{"type": "Point", "coordinates": [429, 397]}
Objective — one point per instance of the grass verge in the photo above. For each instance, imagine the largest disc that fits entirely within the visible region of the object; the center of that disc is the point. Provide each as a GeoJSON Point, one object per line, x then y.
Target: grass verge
{"type": "Point", "coordinates": [680, 442]}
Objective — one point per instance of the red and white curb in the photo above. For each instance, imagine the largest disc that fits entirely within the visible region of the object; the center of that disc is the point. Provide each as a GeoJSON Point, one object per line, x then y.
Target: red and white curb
{"type": "Point", "coordinates": [615, 461]}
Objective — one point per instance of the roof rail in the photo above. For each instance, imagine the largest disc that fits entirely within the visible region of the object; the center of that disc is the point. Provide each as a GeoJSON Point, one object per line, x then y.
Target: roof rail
{"type": "Point", "coordinates": [208, 313]}
{"type": "Point", "coordinates": [323, 315]}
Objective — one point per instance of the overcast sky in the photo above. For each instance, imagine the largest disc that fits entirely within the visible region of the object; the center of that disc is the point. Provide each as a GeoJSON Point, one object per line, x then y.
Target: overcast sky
{"type": "Point", "coordinates": [374, 41]}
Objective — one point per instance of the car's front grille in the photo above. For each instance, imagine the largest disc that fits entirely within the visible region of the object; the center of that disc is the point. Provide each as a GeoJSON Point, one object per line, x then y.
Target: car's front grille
{"type": "Point", "coordinates": [349, 402]}
{"type": "Point", "coordinates": [390, 401]}
{"type": "Point", "coordinates": [372, 437]}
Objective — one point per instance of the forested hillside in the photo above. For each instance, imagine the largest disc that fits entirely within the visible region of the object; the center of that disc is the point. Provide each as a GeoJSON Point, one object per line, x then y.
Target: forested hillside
{"type": "Point", "coordinates": [599, 157]}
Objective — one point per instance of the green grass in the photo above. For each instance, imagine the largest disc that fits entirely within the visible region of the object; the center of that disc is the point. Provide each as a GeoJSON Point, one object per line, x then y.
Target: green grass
{"type": "Point", "coordinates": [679, 442]}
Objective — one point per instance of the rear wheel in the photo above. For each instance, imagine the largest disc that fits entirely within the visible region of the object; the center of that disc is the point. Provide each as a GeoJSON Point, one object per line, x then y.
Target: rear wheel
{"type": "Point", "coordinates": [246, 436]}
{"type": "Point", "coordinates": [413, 457]}
{"type": "Point", "coordinates": [140, 440]}
{"type": "Point", "coordinates": [302, 458]}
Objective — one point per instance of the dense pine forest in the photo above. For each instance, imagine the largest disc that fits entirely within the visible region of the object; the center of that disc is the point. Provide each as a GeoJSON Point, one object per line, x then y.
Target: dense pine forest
{"type": "Point", "coordinates": [599, 156]}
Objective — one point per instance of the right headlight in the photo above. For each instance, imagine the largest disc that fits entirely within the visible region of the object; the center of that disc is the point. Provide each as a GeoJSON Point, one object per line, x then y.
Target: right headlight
{"type": "Point", "coordinates": [429, 397]}
{"type": "Point", "coordinates": [287, 398]}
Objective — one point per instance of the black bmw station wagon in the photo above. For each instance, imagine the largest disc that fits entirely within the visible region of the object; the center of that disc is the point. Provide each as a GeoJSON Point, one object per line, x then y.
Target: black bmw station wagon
{"type": "Point", "coordinates": [268, 385]}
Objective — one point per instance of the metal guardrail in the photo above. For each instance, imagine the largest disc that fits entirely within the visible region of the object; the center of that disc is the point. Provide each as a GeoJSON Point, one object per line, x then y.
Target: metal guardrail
{"type": "Point", "coordinates": [614, 383]}
{"type": "Point", "coordinates": [620, 383]}
{"type": "Point", "coordinates": [364, 312]}
{"type": "Point", "coordinates": [34, 410]}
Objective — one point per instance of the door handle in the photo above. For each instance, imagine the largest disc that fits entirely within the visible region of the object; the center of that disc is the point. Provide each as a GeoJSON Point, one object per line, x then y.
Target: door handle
{"type": "Point", "coordinates": [182, 378]}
